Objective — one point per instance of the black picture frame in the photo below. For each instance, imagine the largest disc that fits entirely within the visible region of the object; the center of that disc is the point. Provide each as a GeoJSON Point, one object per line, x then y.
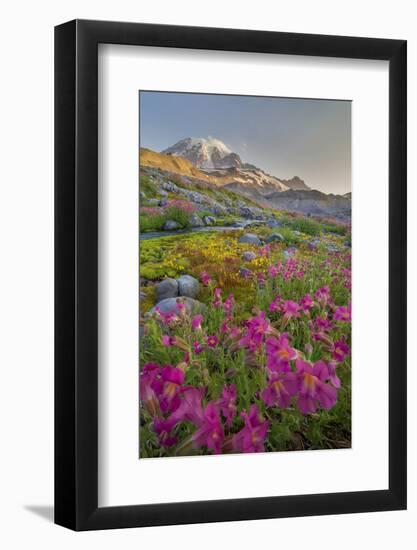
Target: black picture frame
{"type": "Point", "coordinates": [76, 272]}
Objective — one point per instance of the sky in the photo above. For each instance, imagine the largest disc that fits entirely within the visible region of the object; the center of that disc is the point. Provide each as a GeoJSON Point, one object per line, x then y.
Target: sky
{"type": "Point", "coordinates": [285, 137]}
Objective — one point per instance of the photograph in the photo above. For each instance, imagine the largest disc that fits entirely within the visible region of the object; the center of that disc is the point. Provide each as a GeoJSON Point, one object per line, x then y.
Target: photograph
{"type": "Point", "coordinates": [245, 274]}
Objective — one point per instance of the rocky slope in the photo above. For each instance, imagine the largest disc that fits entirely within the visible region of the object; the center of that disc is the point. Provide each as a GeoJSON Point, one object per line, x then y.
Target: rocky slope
{"type": "Point", "coordinates": [211, 164]}
{"type": "Point", "coordinates": [310, 202]}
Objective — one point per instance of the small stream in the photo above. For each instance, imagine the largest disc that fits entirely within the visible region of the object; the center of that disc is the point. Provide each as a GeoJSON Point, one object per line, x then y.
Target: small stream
{"type": "Point", "coordinates": [157, 234]}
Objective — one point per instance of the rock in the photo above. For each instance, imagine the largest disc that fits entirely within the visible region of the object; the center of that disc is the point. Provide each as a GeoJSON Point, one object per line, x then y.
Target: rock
{"type": "Point", "coordinates": [170, 186]}
{"type": "Point", "coordinates": [142, 195]}
{"type": "Point", "coordinates": [163, 202]}
{"type": "Point", "coordinates": [251, 212]}
{"type": "Point", "coordinates": [250, 238]}
{"type": "Point", "coordinates": [348, 244]}
{"type": "Point", "coordinates": [152, 202]}
{"type": "Point", "coordinates": [209, 220]}
{"type": "Point", "coordinates": [142, 295]}
{"type": "Point", "coordinates": [274, 223]}
{"type": "Point", "coordinates": [248, 256]}
{"type": "Point", "coordinates": [188, 286]}
{"type": "Point", "coordinates": [245, 272]}
{"type": "Point", "coordinates": [274, 237]}
{"type": "Point", "coordinates": [162, 193]}
{"type": "Point", "coordinates": [171, 225]}
{"type": "Point", "coordinates": [170, 305]}
{"type": "Point", "coordinates": [168, 288]}
{"type": "Point", "coordinates": [196, 221]}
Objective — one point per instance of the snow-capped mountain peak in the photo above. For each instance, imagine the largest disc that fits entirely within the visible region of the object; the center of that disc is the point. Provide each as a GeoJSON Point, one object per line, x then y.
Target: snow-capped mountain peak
{"type": "Point", "coordinates": [206, 153]}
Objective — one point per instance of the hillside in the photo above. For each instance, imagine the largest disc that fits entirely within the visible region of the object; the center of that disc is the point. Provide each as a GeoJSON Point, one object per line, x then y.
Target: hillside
{"type": "Point", "coordinates": [248, 183]}
{"type": "Point", "coordinates": [176, 165]}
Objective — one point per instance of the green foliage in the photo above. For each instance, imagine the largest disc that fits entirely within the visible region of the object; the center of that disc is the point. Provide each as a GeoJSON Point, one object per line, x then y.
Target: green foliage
{"type": "Point", "coordinates": [178, 215]}
{"type": "Point", "coordinates": [151, 223]}
{"type": "Point", "coordinates": [309, 226]}
{"type": "Point", "coordinates": [338, 229]}
{"type": "Point", "coordinates": [147, 186]}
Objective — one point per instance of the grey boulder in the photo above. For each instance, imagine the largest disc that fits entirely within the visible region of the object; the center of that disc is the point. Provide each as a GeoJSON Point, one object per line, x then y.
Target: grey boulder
{"type": "Point", "coordinates": [168, 288]}
{"type": "Point", "coordinates": [209, 220]}
{"type": "Point", "coordinates": [250, 238]}
{"type": "Point", "coordinates": [249, 256]}
{"type": "Point", "coordinates": [274, 237]}
{"type": "Point", "coordinates": [171, 225]}
{"type": "Point", "coordinates": [196, 221]}
{"type": "Point", "coordinates": [188, 286]}
{"type": "Point", "coordinates": [170, 305]}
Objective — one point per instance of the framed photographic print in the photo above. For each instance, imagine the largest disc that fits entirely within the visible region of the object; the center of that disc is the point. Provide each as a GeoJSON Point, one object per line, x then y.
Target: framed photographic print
{"type": "Point", "coordinates": [230, 275]}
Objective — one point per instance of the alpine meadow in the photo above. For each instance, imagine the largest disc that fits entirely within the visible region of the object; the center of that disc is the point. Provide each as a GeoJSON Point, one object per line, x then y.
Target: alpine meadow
{"type": "Point", "coordinates": [245, 274]}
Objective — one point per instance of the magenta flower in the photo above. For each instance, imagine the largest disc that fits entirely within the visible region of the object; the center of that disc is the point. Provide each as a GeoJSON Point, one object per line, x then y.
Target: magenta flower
{"type": "Point", "coordinates": [168, 340]}
{"type": "Point", "coordinates": [190, 408]}
{"type": "Point", "coordinates": [276, 304]}
{"type": "Point", "coordinates": [227, 403]}
{"type": "Point", "coordinates": [198, 348]}
{"type": "Point", "coordinates": [147, 393]}
{"type": "Point", "coordinates": [282, 387]}
{"type": "Point", "coordinates": [164, 430]}
{"type": "Point", "coordinates": [323, 295]}
{"type": "Point", "coordinates": [334, 379]}
{"type": "Point", "coordinates": [306, 302]}
{"type": "Point", "coordinates": [196, 322]}
{"type": "Point", "coordinates": [273, 271]}
{"type": "Point", "coordinates": [280, 353]}
{"type": "Point", "coordinates": [290, 309]}
{"type": "Point", "coordinates": [172, 379]}
{"type": "Point", "coordinates": [205, 278]}
{"type": "Point", "coordinates": [323, 323]}
{"type": "Point", "coordinates": [321, 336]}
{"type": "Point", "coordinates": [149, 368]}
{"type": "Point", "coordinates": [210, 433]}
{"type": "Point", "coordinates": [212, 341]}
{"type": "Point", "coordinates": [340, 350]}
{"type": "Point", "coordinates": [257, 328]}
{"type": "Point", "coordinates": [225, 328]}
{"type": "Point", "coordinates": [342, 313]}
{"type": "Point", "coordinates": [251, 438]}
{"type": "Point", "coordinates": [217, 300]}
{"type": "Point", "coordinates": [166, 318]}
{"type": "Point", "coordinates": [313, 388]}
{"type": "Point", "coordinates": [228, 304]}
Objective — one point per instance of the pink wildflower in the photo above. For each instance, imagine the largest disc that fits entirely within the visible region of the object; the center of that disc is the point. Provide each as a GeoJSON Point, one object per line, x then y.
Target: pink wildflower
{"type": "Point", "coordinates": [313, 388]}
{"type": "Point", "coordinates": [205, 278]}
{"type": "Point", "coordinates": [227, 403]}
{"type": "Point", "coordinates": [340, 350]}
{"type": "Point", "coordinates": [212, 341]}
{"type": "Point", "coordinates": [342, 313]}
{"type": "Point", "coordinates": [251, 438]}
{"type": "Point", "coordinates": [282, 387]}
{"type": "Point", "coordinates": [290, 309]}
{"type": "Point", "coordinates": [280, 353]}
{"type": "Point", "coordinates": [168, 340]}
{"type": "Point", "coordinates": [196, 322]}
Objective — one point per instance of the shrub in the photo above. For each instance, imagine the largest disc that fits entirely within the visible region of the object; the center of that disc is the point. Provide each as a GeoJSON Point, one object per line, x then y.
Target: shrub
{"type": "Point", "coordinates": [305, 225]}
{"type": "Point", "coordinates": [147, 186]}
{"type": "Point", "coordinates": [151, 223]}
{"type": "Point", "coordinates": [182, 217]}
